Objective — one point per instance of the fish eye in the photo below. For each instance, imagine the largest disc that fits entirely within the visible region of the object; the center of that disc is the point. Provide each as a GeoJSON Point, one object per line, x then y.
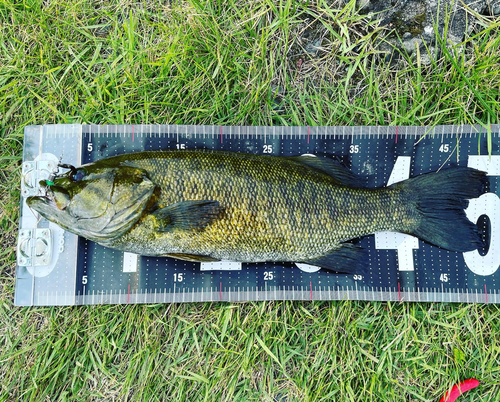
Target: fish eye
{"type": "Point", "coordinates": [79, 175]}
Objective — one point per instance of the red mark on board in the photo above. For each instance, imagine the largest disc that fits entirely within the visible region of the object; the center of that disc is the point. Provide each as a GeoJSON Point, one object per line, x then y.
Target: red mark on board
{"type": "Point", "coordinates": [128, 294]}
{"type": "Point", "coordinates": [220, 291]}
{"type": "Point", "coordinates": [485, 293]}
{"type": "Point", "coordinates": [308, 134]}
{"type": "Point", "coordinates": [221, 134]}
{"type": "Point", "coordinates": [311, 289]}
{"type": "Point", "coordinates": [459, 389]}
{"type": "Point", "coordinates": [396, 134]}
{"type": "Point", "coordinates": [399, 291]}
{"type": "Point", "coordinates": [132, 133]}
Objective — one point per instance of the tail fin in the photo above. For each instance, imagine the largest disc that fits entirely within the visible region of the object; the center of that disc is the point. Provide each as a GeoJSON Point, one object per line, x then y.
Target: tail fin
{"type": "Point", "coordinates": [439, 199]}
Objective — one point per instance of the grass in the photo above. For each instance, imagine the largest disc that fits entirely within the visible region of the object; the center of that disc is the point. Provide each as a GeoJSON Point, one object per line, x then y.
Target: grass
{"type": "Point", "coordinates": [231, 63]}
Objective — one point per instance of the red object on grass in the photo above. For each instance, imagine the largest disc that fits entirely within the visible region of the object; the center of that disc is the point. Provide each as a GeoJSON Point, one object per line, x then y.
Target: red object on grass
{"type": "Point", "coordinates": [459, 389]}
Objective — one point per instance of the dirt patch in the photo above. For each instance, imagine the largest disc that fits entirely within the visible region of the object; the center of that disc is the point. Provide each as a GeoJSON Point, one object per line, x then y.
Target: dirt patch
{"type": "Point", "coordinates": [419, 23]}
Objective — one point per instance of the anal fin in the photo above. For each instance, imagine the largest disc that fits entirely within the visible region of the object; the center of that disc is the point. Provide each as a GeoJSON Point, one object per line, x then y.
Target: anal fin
{"type": "Point", "coordinates": [348, 259]}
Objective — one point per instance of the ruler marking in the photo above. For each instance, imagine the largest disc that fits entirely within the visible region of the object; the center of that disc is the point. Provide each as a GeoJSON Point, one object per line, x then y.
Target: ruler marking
{"type": "Point", "coordinates": [434, 294]}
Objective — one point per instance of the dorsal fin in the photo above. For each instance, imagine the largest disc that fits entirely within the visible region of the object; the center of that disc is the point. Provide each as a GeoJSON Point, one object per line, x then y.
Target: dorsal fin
{"type": "Point", "coordinates": [332, 168]}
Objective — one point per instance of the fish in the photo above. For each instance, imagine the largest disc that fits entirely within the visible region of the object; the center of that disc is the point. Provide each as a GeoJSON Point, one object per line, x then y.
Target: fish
{"type": "Point", "coordinates": [205, 206]}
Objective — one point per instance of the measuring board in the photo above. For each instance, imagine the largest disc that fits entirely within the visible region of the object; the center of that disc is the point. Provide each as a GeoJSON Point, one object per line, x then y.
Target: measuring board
{"type": "Point", "coordinates": [58, 268]}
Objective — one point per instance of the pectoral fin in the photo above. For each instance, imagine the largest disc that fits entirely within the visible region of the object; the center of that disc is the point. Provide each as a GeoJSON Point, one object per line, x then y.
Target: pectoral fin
{"type": "Point", "coordinates": [187, 215]}
{"type": "Point", "coordinates": [348, 259]}
{"type": "Point", "coordinates": [192, 257]}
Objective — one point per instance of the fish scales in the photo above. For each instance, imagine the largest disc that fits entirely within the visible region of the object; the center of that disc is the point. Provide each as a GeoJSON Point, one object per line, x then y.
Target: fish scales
{"type": "Point", "coordinates": [205, 206]}
{"type": "Point", "coordinates": [274, 208]}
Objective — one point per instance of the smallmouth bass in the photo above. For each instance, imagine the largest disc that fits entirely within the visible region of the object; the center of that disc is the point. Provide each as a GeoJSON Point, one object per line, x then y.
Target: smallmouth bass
{"type": "Point", "coordinates": [216, 205]}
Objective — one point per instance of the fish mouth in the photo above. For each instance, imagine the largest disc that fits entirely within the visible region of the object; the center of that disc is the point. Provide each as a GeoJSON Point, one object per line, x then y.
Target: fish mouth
{"type": "Point", "coordinates": [46, 207]}
{"type": "Point", "coordinates": [35, 201]}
